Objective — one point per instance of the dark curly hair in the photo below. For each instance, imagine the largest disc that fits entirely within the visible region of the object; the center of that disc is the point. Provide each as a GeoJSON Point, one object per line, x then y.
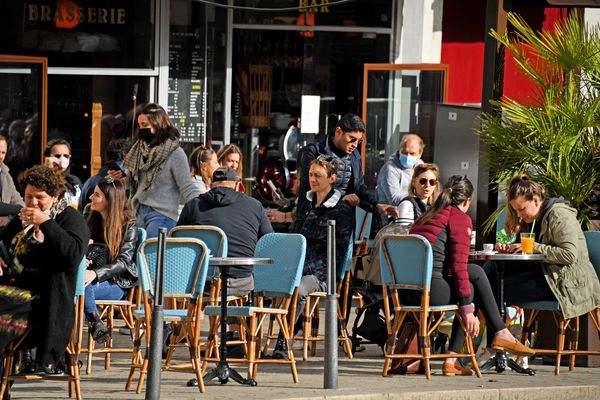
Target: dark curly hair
{"type": "Point", "coordinates": [47, 179]}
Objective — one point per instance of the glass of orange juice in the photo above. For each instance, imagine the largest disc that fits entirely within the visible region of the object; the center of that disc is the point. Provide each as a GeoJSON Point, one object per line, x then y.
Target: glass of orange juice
{"type": "Point", "coordinates": [527, 240]}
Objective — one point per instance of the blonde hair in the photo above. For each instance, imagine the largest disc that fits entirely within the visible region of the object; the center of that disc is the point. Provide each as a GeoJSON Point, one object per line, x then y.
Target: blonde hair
{"type": "Point", "coordinates": [227, 150]}
{"type": "Point", "coordinates": [418, 170]}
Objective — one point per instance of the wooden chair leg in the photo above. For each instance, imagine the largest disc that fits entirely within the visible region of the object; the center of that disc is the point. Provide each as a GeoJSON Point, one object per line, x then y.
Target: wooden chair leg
{"type": "Point", "coordinates": [307, 327]}
{"type": "Point", "coordinates": [574, 344]}
{"type": "Point", "coordinates": [560, 343]}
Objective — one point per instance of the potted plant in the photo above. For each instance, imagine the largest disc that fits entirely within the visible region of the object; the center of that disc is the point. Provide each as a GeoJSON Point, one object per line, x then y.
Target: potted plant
{"type": "Point", "coordinates": [555, 137]}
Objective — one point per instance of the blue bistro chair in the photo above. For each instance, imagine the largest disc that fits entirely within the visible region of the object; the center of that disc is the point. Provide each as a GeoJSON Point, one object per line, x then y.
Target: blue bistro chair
{"type": "Point", "coordinates": [216, 241]}
{"type": "Point", "coordinates": [73, 350]}
{"type": "Point", "coordinates": [185, 269]}
{"type": "Point", "coordinates": [310, 333]}
{"type": "Point", "coordinates": [407, 263]}
{"type": "Point", "coordinates": [278, 281]}
{"type": "Point", "coordinates": [533, 308]}
{"type": "Point", "coordinates": [362, 230]}
{"type": "Point", "coordinates": [107, 312]}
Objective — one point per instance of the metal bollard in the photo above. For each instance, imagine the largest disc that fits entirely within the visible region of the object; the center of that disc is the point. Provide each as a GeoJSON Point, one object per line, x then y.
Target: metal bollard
{"type": "Point", "coordinates": [331, 319]}
{"type": "Point", "coordinates": [156, 336]}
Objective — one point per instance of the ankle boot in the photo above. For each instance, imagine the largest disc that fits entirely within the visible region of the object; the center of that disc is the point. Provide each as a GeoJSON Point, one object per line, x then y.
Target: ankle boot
{"type": "Point", "coordinates": [98, 330]}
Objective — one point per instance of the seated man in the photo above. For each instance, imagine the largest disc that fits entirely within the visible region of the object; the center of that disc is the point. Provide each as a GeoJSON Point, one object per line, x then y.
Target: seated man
{"type": "Point", "coordinates": [242, 218]}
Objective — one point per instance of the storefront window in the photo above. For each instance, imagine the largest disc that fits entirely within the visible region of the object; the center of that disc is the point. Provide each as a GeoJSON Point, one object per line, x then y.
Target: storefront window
{"type": "Point", "coordinates": [80, 33]}
{"type": "Point", "coordinates": [70, 101]}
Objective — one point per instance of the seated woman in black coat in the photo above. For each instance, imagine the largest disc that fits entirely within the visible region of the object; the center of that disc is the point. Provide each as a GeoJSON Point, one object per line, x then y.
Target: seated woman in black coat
{"type": "Point", "coordinates": [45, 247]}
{"type": "Point", "coordinates": [324, 203]}
{"type": "Point", "coordinates": [112, 226]}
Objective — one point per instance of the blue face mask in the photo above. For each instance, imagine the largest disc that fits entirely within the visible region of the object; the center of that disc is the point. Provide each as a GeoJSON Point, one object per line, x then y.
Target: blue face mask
{"type": "Point", "coordinates": [407, 161]}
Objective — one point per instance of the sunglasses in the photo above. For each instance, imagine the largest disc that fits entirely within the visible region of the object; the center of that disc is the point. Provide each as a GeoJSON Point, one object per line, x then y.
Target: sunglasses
{"type": "Point", "coordinates": [355, 140]}
{"type": "Point", "coordinates": [67, 156]}
{"type": "Point", "coordinates": [432, 182]}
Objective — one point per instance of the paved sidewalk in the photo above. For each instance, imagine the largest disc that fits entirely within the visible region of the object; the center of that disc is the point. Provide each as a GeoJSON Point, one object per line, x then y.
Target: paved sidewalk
{"type": "Point", "coordinates": [359, 378]}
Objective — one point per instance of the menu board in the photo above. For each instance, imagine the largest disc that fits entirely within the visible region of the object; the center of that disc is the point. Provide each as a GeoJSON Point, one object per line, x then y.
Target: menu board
{"type": "Point", "coordinates": [187, 91]}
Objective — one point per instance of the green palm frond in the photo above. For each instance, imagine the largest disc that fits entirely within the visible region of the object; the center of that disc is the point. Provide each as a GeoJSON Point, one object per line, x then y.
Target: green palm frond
{"type": "Point", "coordinates": [556, 137]}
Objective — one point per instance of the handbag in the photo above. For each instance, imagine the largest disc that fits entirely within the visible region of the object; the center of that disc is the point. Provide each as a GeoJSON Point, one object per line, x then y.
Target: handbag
{"type": "Point", "coordinates": [98, 254]}
{"type": "Point", "coordinates": [407, 343]}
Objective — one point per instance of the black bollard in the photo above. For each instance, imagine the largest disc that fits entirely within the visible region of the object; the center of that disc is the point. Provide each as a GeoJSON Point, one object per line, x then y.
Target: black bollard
{"type": "Point", "coordinates": [156, 336]}
{"type": "Point", "coordinates": [331, 319]}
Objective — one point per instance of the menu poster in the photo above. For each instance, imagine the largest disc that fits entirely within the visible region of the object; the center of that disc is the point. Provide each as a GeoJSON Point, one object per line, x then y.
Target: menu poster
{"type": "Point", "coordinates": [187, 92]}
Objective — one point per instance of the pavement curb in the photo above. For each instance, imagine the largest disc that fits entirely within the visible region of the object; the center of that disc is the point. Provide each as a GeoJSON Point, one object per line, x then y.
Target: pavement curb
{"type": "Point", "coordinates": [591, 392]}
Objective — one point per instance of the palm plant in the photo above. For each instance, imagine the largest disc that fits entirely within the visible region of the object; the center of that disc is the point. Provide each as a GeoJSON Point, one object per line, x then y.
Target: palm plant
{"type": "Point", "coordinates": [555, 137]}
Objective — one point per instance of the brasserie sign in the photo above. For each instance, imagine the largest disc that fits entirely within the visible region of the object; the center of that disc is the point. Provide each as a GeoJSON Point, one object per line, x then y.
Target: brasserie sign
{"type": "Point", "coordinates": [68, 14]}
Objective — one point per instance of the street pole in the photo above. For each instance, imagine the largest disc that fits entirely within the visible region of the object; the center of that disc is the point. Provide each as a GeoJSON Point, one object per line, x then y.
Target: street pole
{"type": "Point", "coordinates": [156, 336]}
{"type": "Point", "coordinates": [331, 320]}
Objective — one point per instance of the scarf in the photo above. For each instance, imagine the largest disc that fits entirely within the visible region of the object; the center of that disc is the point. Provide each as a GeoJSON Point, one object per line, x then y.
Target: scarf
{"type": "Point", "coordinates": [142, 157]}
{"type": "Point", "coordinates": [29, 236]}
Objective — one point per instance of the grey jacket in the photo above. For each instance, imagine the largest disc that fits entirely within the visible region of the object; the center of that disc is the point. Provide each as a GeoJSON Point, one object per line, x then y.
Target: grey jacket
{"type": "Point", "coordinates": [569, 272]}
{"type": "Point", "coordinates": [173, 180]}
{"type": "Point", "coordinates": [10, 195]}
{"type": "Point", "coordinates": [393, 181]}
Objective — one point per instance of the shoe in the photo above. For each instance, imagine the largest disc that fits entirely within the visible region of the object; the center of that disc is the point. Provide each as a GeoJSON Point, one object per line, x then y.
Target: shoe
{"type": "Point", "coordinates": [512, 346]}
{"type": "Point", "coordinates": [26, 364]}
{"type": "Point", "coordinates": [456, 369]}
{"type": "Point", "coordinates": [279, 355]}
{"type": "Point", "coordinates": [97, 329]}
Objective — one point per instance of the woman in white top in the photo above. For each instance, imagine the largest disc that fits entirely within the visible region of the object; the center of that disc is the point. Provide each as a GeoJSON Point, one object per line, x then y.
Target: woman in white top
{"type": "Point", "coordinates": [203, 162]}
{"type": "Point", "coordinates": [424, 189]}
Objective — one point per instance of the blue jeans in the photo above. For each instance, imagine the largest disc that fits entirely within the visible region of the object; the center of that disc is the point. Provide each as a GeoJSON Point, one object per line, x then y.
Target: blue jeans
{"type": "Point", "coordinates": [151, 220]}
{"type": "Point", "coordinates": [106, 290]}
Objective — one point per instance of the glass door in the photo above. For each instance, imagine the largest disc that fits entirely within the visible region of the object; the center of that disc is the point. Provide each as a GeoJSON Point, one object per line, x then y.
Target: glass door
{"type": "Point", "coordinates": [23, 105]}
{"type": "Point", "coordinates": [399, 99]}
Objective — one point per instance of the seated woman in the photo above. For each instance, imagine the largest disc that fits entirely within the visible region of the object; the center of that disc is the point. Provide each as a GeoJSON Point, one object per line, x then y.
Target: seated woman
{"type": "Point", "coordinates": [203, 162]}
{"type": "Point", "coordinates": [324, 204]}
{"type": "Point", "coordinates": [111, 223]}
{"type": "Point", "coordinates": [46, 245]}
{"type": "Point", "coordinates": [568, 275]}
{"type": "Point", "coordinates": [231, 156]}
{"type": "Point", "coordinates": [448, 228]}
{"type": "Point", "coordinates": [423, 191]}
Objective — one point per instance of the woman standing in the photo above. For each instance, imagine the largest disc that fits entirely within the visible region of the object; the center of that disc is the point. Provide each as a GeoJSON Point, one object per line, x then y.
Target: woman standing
{"type": "Point", "coordinates": [111, 224]}
{"type": "Point", "coordinates": [46, 245]}
{"type": "Point", "coordinates": [158, 171]}
{"type": "Point", "coordinates": [447, 227]}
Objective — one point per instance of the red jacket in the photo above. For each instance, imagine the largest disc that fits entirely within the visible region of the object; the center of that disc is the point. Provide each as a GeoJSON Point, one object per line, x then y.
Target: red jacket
{"type": "Point", "coordinates": [451, 256]}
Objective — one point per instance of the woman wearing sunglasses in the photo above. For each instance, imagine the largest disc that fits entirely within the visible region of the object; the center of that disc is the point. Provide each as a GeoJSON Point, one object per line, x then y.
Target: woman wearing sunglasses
{"type": "Point", "coordinates": [423, 191]}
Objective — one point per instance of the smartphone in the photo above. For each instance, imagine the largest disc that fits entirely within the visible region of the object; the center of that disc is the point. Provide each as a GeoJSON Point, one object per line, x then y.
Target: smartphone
{"type": "Point", "coordinates": [113, 166]}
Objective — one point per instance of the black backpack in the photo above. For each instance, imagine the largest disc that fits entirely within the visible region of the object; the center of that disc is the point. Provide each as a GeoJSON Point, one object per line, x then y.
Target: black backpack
{"type": "Point", "coordinates": [370, 321]}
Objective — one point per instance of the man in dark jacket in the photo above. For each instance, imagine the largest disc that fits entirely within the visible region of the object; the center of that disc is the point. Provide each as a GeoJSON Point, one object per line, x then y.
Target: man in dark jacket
{"type": "Point", "coordinates": [242, 218]}
{"type": "Point", "coordinates": [343, 147]}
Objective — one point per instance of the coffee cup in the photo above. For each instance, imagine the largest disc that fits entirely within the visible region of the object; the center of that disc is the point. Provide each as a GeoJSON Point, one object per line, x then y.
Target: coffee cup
{"type": "Point", "coordinates": [488, 247]}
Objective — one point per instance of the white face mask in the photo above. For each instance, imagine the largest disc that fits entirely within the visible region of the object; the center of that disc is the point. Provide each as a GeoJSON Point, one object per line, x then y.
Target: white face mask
{"type": "Point", "coordinates": [63, 162]}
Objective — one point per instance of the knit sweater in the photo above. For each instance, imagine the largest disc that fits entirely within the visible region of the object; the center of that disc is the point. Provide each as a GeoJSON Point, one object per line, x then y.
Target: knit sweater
{"type": "Point", "coordinates": [173, 180]}
{"type": "Point", "coordinates": [449, 233]}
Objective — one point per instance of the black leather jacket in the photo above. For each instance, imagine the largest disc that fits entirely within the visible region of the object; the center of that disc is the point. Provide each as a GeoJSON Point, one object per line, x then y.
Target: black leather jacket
{"type": "Point", "coordinates": [122, 271]}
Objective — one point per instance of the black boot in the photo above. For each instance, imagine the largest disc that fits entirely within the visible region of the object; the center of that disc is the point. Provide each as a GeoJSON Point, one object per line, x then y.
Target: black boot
{"type": "Point", "coordinates": [281, 348]}
{"type": "Point", "coordinates": [98, 330]}
{"type": "Point", "coordinates": [26, 363]}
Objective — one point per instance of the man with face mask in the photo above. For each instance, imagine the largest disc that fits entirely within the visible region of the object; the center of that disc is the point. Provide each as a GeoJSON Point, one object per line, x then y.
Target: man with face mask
{"type": "Point", "coordinates": [57, 154]}
{"type": "Point", "coordinates": [395, 175]}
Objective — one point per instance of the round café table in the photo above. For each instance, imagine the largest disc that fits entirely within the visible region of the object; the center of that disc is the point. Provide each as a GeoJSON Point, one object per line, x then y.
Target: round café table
{"type": "Point", "coordinates": [223, 371]}
{"type": "Point", "coordinates": [500, 361]}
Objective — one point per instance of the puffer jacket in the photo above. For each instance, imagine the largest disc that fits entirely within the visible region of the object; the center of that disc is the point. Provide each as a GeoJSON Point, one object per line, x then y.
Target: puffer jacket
{"type": "Point", "coordinates": [312, 224]}
{"type": "Point", "coordinates": [123, 270]}
{"type": "Point", "coordinates": [568, 271]}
